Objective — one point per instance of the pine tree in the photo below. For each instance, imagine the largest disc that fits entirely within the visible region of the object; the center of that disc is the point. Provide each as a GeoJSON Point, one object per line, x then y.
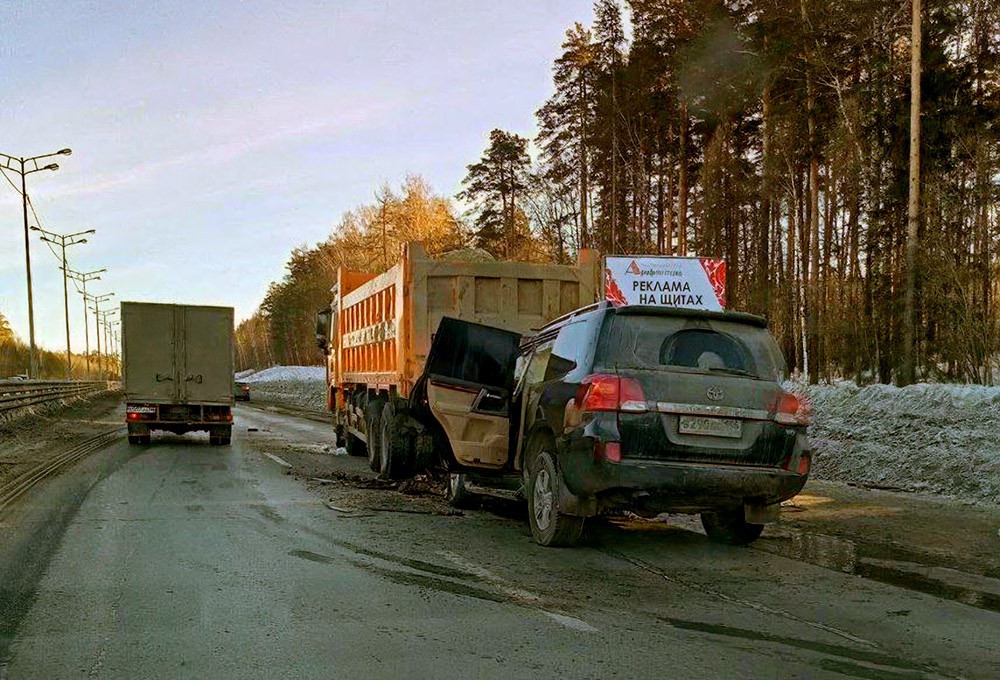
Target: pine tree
{"type": "Point", "coordinates": [495, 186]}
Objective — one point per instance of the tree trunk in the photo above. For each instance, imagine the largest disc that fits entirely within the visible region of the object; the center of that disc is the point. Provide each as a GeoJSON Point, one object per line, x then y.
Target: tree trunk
{"type": "Point", "coordinates": [682, 206]}
{"type": "Point", "coordinates": [907, 373]}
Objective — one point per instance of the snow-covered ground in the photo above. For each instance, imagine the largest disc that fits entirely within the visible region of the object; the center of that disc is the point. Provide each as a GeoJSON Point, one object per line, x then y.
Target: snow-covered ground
{"type": "Point", "coordinates": [926, 437]}
{"type": "Point", "coordinates": [298, 386]}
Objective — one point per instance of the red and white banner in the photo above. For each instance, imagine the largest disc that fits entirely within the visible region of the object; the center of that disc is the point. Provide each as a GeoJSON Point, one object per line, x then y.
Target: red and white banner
{"type": "Point", "coordinates": [687, 282]}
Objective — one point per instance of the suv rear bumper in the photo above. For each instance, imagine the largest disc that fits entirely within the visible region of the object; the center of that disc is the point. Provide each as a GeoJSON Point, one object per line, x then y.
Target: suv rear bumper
{"type": "Point", "coordinates": [674, 486]}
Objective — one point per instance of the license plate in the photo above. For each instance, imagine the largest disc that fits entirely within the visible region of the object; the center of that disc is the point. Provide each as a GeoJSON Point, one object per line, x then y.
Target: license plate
{"type": "Point", "coordinates": [714, 427]}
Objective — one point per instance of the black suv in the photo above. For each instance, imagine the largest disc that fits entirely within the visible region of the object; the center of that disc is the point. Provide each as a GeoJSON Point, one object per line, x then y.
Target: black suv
{"type": "Point", "coordinates": [612, 408]}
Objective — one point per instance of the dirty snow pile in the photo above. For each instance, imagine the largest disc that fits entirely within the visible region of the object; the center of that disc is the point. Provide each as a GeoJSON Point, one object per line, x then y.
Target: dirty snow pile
{"type": "Point", "coordinates": [927, 437]}
{"type": "Point", "coordinates": [296, 386]}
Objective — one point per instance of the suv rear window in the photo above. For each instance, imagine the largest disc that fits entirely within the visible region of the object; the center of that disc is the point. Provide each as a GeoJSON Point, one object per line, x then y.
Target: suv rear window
{"type": "Point", "coordinates": [689, 344]}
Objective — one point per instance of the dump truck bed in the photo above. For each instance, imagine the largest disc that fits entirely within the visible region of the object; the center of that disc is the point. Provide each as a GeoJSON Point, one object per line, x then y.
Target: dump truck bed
{"type": "Point", "coordinates": [383, 324]}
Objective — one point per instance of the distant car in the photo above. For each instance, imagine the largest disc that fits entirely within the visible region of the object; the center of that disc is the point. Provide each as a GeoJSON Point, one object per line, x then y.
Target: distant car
{"type": "Point", "coordinates": [241, 392]}
{"type": "Point", "coordinates": [21, 376]}
{"type": "Point", "coordinates": [629, 408]}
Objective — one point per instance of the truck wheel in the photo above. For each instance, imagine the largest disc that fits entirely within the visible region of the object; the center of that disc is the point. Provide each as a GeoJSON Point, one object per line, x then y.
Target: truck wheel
{"type": "Point", "coordinates": [355, 446]}
{"type": "Point", "coordinates": [394, 444]}
{"type": "Point", "coordinates": [456, 495]}
{"type": "Point", "coordinates": [730, 527]}
{"type": "Point", "coordinates": [549, 526]}
{"type": "Point", "coordinates": [134, 439]}
{"type": "Point", "coordinates": [373, 421]}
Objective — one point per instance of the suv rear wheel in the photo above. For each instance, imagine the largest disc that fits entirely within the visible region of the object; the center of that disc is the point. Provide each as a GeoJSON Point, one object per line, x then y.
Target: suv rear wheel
{"type": "Point", "coordinates": [549, 526]}
{"type": "Point", "coordinates": [730, 527]}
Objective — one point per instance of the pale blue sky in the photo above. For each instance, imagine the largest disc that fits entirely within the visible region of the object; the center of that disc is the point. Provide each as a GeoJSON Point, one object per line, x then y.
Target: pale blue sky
{"type": "Point", "coordinates": [210, 138]}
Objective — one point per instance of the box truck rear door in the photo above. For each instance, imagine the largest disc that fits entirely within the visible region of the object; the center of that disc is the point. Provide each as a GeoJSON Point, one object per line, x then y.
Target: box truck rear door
{"type": "Point", "coordinates": [149, 352]}
{"type": "Point", "coordinates": [207, 371]}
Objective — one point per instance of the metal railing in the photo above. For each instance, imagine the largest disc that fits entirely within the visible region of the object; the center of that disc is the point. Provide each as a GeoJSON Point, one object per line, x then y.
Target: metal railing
{"type": "Point", "coordinates": [15, 394]}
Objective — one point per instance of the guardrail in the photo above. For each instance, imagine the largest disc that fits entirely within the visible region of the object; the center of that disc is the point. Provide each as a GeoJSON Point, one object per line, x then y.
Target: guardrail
{"type": "Point", "coordinates": [16, 394]}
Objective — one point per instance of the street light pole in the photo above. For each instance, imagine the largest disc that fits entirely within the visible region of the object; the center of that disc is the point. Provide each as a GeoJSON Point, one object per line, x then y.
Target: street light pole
{"type": "Point", "coordinates": [107, 347]}
{"type": "Point", "coordinates": [84, 277]}
{"type": "Point", "coordinates": [113, 339]}
{"type": "Point", "coordinates": [63, 241]}
{"type": "Point", "coordinates": [19, 165]}
{"type": "Point", "coordinates": [97, 300]}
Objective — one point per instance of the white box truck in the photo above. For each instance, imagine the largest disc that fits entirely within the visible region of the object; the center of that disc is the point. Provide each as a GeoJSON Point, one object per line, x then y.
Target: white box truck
{"type": "Point", "coordinates": [177, 370]}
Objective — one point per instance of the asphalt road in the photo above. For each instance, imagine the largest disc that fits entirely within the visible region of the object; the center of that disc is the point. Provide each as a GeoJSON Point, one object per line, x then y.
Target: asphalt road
{"type": "Point", "coordinates": [187, 561]}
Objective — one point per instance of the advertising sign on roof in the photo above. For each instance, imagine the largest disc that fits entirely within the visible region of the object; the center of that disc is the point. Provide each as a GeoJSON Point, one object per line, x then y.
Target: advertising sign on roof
{"type": "Point", "coordinates": [687, 282]}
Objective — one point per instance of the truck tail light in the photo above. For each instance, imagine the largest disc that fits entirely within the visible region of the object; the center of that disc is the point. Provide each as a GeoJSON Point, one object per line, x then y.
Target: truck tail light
{"type": "Point", "coordinates": [603, 392]}
{"type": "Point", "coordinates": [792, 410]}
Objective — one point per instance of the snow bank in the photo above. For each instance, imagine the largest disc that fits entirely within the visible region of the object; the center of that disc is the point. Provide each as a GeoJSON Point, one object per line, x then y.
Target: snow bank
{"type": "Point", "coordinates": [926, 437]}
{"type": "Point", "coordinates": [283, 373]}
{"type": "Point", "coordinates": [296, 386]}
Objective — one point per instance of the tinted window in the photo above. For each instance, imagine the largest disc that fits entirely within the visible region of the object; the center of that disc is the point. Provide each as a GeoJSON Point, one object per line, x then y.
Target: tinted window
{"type": "Point", "coordinates": [473, 353]}
{"type": "Point", "coordinates": [689, 344]}
{"type": "Point", "coordinates": [705, 349]}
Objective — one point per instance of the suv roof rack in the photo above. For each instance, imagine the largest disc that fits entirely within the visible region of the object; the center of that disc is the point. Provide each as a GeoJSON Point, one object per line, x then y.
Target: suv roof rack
{"type": "Point", "coordinates": [739, 317]}
{"type": "Point", "coordinates": [593, 307]}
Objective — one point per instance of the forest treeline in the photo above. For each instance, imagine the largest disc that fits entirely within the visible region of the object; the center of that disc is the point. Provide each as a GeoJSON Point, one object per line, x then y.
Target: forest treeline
{"type": "Point", "coordinates": [15, 353]}
{"type": "Point", "coordinates": [773, 133]}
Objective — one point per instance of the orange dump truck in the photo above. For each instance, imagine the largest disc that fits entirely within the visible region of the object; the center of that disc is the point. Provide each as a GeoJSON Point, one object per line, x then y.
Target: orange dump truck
{"type": "Point", "coordinates": [377, 332]}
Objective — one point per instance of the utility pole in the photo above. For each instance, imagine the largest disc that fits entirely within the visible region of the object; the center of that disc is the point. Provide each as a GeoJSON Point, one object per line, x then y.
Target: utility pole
{"type": "Point", "coordinates": [113, 336]}
{"type": "Point", "coordinates": [64, 241]}
{"type": "Point", "coordinates": [97, 300]}
{"type": "Point", "coordinates": [83, 278]}
{"type": "Point", "coordinates": [109, 358]}
{"type": "Point", "coordinates": [24, 167]}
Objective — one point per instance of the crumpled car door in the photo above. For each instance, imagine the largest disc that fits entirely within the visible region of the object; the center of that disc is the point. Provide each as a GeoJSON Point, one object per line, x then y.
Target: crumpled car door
{"type": "Point", "coordinates": [469, 375]}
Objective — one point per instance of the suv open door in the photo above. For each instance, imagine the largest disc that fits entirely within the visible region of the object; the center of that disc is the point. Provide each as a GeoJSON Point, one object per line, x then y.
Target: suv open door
{"type": "Point", "coordinates": [469, 374]}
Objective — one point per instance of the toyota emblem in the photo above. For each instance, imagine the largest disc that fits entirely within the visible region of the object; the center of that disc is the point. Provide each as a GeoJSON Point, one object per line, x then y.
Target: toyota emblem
{"type": "Point", "coordinates": [715, 393]}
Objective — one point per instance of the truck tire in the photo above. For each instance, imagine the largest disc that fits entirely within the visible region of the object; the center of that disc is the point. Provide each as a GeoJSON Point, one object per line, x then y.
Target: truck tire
{"type": "Point", "coordinates": [549, 526]}
{"type": "Point", "coordinates": [456, 495]}
{"type": "Point", "coordinates": [730, 527]}
{"type": "Point", "coordinates": [373, 423]}
{"type": "Point", "coordinates": [395, 444]}
{"type": "Point", "coordinates": [220, 437]}
{"type": "Point", "coordinates": [354, 446]}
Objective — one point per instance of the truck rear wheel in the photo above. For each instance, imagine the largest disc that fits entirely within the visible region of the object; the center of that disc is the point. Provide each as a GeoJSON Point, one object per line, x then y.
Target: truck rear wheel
{"type": "Point", "coordinates": [354, 446]}
{"type": "Point", "coordinates": [373, 422]}
{"type": "Point", "coordinates": [395, 444]}
{"type": "Point", "coordinates": [220, 437]}
{"type": "Point", "coordinates": [456, 494]}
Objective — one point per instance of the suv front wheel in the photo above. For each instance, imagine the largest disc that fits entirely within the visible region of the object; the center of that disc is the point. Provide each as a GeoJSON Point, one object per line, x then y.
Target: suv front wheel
{"type": "Point", "coordinates": [549, 526]}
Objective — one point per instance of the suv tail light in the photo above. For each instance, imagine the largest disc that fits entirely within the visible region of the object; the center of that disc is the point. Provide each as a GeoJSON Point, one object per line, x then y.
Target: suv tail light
{"type": "Point", "coordinates": [792, 409]}
{"type": "Point", "coordinates": [609, 451]}
{"type": "Point", "coordinates": [800, 464]}
{"type": "Point", "coordinates": [602, 392]}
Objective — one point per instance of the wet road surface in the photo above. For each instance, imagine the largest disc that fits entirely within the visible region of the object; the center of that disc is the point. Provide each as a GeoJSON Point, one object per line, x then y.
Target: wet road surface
{"type": "Point", "coordinates": [184, 560]}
